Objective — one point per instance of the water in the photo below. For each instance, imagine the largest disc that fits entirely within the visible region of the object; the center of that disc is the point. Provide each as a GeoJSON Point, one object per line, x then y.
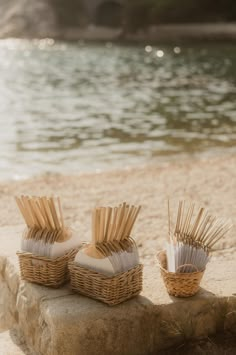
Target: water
{"type": "Point", "coordinates": [74, 107]}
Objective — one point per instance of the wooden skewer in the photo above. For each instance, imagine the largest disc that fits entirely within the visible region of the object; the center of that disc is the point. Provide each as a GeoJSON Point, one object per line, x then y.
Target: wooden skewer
{"type": "Point", "coordinates": [23, 212]}
{"type": "Point", "coordinates": [48, 212]}
{"type": "Point", "coordinates": [129, 221]}
{"type": "Point", "coordinates": [190, 216]}
{"type": "Point", "coordinates": [37, 234]}
{"type": "Point", "coordinates": [102, 220]}
{"type": "Point", "coordinates": [181, 221]}
{"type": "Point", "coordinates": [204, 232]}
{"type": "Point", "coordinates": [52, 208]}
{"type": "Point", "coordinates": [107, 223]}
{"type": "Point", "coordinates": [201, 225]}
{"type": "Point", "coordinates": [125, 219]}
{"type": "Point", "coordinates": [108, 237]}
{"type": "Point", "coordinates": [44, 212]}
{"type": "Point", "coordinates": [223, 227]}
{"type": "Point", "coordinates": [117, 222]}
{"type": "Point", "coordinates": [27, 215]}
{"type": "Point", "coordinates": [51, 236]}
{"type": "Point", "coordinates": [61, 213]}
{"type": "Point", "coordinates": [114, 220]}
{"type": "Point", "coordinates": [204, 226]}
{"type": "Point", "coordinates": [45, 235]}
{"type": "Point", "coordinates": [97, 225]}
{"type": "Point", "coordinates": [178, 219]}
{"type": "Point", "coordinates": [37, 213]}
{"type": "Point", "coordinates": [108, 248]}
{"type": "Point", "coordinates": [129, 210]}
{"type": "Point", "coordinates": [168, 205]}
{"type": "Point", "coordinates": [219, 237]}
{"type": "Point", "coordinates": [134, 219]}
{"type": "Point", "coordinates": [58, 212]}
{"type": "Point", "coordinates": [213, 228]}
{"type": "Point", "coordinates": [31, 233]}
{"type": "Point", "coordinates": [94, 226]}
{"type": "Point", "coordinates": [186, 220]}
{"type": "Point", "coordinates": [28, 211]}
{"type": "Point", "coordinates": [53, 213]}
{"type": "Point", "coordinates": [121, 222]}
{"type": "Point", "coordinates": [196, 222]}
{"type": "Point", "coordinates": [208, 229]}
{"type": "Point", "coordinates": [42, 218]}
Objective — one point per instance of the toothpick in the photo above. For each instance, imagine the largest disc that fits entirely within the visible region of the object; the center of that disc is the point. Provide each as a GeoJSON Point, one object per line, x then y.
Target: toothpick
{"type": "Point", "coordinates": [168, 204]}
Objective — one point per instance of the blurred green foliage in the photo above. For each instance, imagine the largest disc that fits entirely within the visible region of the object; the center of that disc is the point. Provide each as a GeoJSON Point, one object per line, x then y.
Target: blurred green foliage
{"type": "Point", "coordinates": [140, 13]}
{"type": "Point", "coordinates": [70, 12]}
{"type": "Point", "coordinates": [137, 14]}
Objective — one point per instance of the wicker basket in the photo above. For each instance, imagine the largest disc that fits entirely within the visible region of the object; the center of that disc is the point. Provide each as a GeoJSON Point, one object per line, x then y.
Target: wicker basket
{"type": "Point", "coordinates": [111, 290]}
{"type": "Point", "coordinates": [45, 271]}
{"type": "Point", "coordinates": [179, 284]}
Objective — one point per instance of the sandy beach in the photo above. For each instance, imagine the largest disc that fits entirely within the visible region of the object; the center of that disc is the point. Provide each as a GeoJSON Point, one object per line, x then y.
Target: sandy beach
{"type": "Point", "coordinates": [208, 181]}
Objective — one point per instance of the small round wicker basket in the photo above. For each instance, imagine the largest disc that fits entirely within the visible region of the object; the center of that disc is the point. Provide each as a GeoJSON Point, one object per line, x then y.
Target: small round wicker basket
{"type": "Point", "coordinates": [179, 284]}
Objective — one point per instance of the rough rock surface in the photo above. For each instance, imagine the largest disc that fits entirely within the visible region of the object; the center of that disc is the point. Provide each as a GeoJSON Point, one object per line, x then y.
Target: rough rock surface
{"type": "Point", "coordinates": [7, 296]}
{"type": "Point", "coordinates": [58, 322]}
{"type": "Point", "coordinates": [12, 344]}
{"type": "Point", "coordinates": [27, 18]}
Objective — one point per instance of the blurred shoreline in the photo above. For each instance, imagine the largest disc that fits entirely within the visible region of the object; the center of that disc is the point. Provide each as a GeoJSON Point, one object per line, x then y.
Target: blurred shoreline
{"type": "Point", "coordinates": [167, 33]}
{"type": "Point", "coordinates": [162, 161]}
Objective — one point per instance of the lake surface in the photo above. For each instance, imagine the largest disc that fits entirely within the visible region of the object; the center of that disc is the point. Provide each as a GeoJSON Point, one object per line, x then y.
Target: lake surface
{"type": "Point", "coordinates": [74, 107]}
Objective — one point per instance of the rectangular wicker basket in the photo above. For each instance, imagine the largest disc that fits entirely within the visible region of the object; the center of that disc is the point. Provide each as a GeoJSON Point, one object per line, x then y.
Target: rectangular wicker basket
{"type": "Point", "coordinates": [45, 271]}
{"type": "Point", "coordinates": [111, 290]}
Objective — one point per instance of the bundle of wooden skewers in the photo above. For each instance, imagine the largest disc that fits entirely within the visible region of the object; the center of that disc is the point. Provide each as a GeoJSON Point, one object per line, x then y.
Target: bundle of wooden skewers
{"type": "Point", "coordinates": [188, 249]}
{"type": "Point", "coordinates": [108, 268]}
{"type": "Point", "coordinates": [46, 240]}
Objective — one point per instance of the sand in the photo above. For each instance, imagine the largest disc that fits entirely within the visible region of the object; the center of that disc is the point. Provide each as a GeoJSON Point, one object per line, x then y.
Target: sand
{"type": "Point", "coordinates": [209, 181]}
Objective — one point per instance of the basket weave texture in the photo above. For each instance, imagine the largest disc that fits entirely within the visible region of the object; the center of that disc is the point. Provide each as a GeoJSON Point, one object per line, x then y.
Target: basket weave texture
{"type": "Point", "coordinates": [45, 271]}
{"type": "Point", "coordinates": [179, 284]}
{"type": "Point", "coordinates": [111, 290]}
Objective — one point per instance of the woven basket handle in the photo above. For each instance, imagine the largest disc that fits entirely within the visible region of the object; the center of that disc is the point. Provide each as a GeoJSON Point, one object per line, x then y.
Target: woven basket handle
{"type": "Point", "coordinates": [181, 266]}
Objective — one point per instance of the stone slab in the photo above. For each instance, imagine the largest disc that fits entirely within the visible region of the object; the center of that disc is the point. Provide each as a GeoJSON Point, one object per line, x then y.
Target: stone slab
{"type": "Point", "coordinates": [59, 322]}
{"type": "Point", "coordinates": [10, 344]}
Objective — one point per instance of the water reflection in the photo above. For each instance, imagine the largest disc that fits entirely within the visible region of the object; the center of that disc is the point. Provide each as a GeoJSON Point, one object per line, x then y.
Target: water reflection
{"type": "Point", "coordinates": [73, 107]}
